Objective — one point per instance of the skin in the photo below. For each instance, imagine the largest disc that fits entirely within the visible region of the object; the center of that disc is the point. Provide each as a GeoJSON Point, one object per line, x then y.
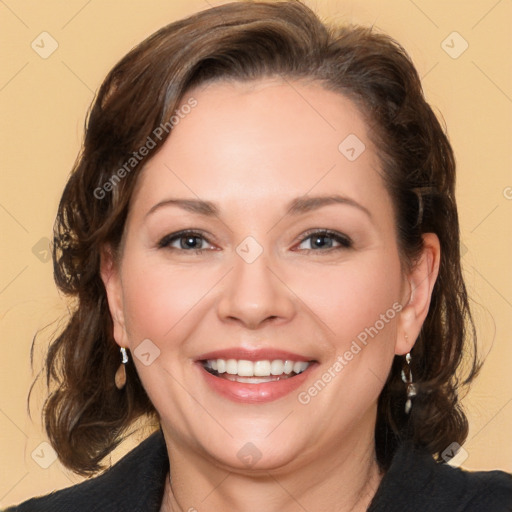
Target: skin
{"type": "Point", "coordinates": [251, 148]}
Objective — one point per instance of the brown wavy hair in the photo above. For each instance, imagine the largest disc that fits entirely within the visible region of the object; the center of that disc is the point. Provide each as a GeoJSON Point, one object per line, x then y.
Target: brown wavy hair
{"type": "Point", "coordinates": [85, 415]}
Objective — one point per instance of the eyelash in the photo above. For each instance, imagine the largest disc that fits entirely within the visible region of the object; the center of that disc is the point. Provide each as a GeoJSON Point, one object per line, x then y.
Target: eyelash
{"type": "Point", "coordinates": [344, 241]}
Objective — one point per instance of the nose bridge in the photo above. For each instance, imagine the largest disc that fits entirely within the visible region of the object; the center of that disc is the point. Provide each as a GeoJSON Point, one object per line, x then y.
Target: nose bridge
{"type": "Point", "coordinates": [254, 292]}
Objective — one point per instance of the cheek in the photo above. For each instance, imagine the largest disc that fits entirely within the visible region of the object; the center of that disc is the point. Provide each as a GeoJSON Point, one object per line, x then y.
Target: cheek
{"type": "Point", "coordinates": [359, 304]}
{"type": "Point", "coordinates": [351, 298]}
{"type": "Point", "coordinates": [161, 300]}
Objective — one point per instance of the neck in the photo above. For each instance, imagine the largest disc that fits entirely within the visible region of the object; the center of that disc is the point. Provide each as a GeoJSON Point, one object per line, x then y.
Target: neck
{"type": "Point", "coordinates": [345, 479]}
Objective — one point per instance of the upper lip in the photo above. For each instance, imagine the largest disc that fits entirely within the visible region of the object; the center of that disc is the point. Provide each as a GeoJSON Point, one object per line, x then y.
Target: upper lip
{"type": "Point", "coordinates": [260, 354]}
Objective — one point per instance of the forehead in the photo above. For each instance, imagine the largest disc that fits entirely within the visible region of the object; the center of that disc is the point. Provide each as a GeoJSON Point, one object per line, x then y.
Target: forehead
{"type": "Point", "coordinates": [264, 140]}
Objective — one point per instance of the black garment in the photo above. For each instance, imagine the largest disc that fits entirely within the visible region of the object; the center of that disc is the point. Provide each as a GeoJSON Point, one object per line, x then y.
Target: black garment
{"type": "Point", "coordinates": [413, 483]}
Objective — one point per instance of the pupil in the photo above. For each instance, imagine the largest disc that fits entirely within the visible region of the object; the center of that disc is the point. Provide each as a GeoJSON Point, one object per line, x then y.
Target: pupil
{"type": "Point", "coordinates": [322, 237]}
{"type": "Point", "coordinates": [190, 239]}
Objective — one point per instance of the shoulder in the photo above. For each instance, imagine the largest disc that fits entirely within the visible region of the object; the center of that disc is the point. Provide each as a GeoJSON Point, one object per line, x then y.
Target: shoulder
{"type": "Point", "coordinates": [415, 481]}
{"type": "Point", "coordinates": [135, 483]}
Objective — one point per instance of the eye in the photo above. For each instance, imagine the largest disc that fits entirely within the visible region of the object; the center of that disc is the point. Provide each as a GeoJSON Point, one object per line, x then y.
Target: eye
{"type": "Point", "coordinates": [184, 240]}
{"type": "Point", "coordinates": [324, 240]}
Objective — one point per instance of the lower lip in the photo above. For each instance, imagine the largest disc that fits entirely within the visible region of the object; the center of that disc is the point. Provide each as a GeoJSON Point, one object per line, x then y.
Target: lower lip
{"type": "Point", "coordinates": [254, 393]}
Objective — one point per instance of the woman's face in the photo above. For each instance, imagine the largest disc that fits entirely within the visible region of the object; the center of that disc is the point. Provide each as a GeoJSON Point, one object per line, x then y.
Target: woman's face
{"type": "Point", "coordinates": [258, 172]}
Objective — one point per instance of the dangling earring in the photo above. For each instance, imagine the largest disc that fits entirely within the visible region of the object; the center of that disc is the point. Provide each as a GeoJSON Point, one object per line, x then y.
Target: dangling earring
{"type": "Point", "coordinates": [410, 386]}
{"type": "Point", "coordinates": [120, 378]}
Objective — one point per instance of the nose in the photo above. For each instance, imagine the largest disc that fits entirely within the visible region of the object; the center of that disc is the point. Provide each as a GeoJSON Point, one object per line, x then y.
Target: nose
{"type": "Point", "coordinates": [255, 294]}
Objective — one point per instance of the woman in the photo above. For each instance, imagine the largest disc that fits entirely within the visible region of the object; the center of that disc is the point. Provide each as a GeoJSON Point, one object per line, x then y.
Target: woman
{"type": "Point", "coordinates": [262, 238]}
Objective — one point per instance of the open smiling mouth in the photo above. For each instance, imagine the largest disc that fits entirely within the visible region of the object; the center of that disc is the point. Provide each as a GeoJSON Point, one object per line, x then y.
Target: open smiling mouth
{"type": "Point", "coordinates": [254, 372]}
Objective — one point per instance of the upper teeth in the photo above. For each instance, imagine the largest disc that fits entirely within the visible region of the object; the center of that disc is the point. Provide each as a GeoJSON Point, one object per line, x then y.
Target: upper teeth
{"type": "Point", "coordinates": [265, 368]}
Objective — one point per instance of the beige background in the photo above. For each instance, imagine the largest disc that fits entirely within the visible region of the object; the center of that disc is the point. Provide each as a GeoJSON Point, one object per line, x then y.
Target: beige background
{"type": "Point", "coordinates": [44, 102]}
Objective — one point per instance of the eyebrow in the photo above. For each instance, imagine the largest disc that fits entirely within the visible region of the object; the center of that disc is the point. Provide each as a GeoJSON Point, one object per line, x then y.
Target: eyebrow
{"type": "Point", "coordinates": [297, 206]}
{"type": "Point", "coordinates": [305, 204]}
{"type": "Point", "coordinates": [190, 205]}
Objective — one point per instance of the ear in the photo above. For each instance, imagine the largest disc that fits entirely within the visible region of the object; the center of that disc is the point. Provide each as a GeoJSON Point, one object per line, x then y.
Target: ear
{"type": "Point", "coordinates": [417, 294]}
{"type": "Point", "coordinates": [110, 275]}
